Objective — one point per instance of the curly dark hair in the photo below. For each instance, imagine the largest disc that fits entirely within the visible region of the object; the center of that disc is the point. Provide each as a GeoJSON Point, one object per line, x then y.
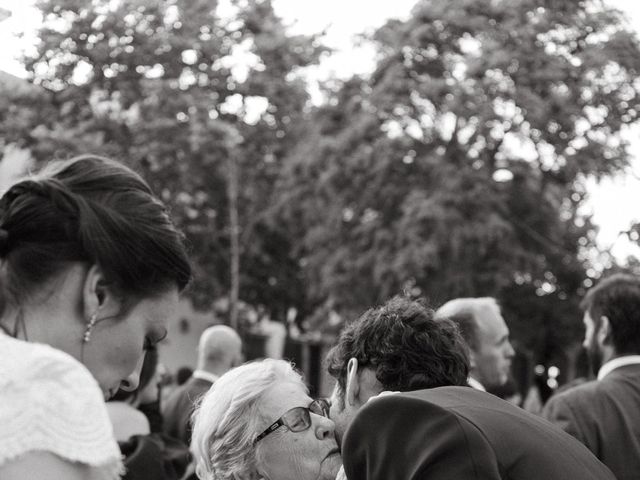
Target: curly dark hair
{"type": "Point", "coordinates": [618, 298]}
{"type": "Point", "coordinates": [406, 347]}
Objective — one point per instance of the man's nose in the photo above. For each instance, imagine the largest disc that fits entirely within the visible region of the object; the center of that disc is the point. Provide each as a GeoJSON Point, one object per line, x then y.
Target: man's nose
{"type": "Point", "coordinates": [510, 351]}
{"type": "Point", "coordinates": [324, 427]}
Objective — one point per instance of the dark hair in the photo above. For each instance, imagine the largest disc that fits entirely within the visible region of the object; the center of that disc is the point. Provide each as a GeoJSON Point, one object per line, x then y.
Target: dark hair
{"type": "Point", "coordinates": [406, 347]}
{"type": "Point", "coordinates": [617, 298]}
{"type": "Point", "coordinates": [89, 209]}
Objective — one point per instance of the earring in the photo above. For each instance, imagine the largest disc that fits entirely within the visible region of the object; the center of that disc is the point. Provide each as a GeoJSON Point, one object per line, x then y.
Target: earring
{"type": "Point", "coordinates": [87, 332]}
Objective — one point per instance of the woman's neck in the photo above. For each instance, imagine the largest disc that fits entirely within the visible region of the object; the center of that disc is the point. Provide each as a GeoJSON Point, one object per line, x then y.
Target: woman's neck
{"type": "Point", "coordinates": [35, 324]}
{"type": "Point", "coordinates": [12, 323]}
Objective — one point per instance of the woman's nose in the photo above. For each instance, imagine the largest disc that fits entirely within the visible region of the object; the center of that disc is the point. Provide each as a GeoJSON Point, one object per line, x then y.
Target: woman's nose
{"type": "Point", "coordinates": [130, 383]}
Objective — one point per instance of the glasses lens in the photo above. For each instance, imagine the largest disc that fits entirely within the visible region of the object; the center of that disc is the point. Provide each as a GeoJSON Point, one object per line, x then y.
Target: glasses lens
{"type": "Point", "coordinates": [297, 419]}
{"type": "Point", "coordinates": [320, 407]}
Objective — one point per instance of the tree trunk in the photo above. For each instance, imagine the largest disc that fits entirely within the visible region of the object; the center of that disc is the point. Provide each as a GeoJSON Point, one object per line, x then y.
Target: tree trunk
{"type": "Point", "coordinates": [234, 232]}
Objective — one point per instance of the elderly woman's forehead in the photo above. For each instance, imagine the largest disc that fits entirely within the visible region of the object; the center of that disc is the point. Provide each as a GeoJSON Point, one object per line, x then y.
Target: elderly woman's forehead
{"type": "Point", "coordinates": [282, 396]}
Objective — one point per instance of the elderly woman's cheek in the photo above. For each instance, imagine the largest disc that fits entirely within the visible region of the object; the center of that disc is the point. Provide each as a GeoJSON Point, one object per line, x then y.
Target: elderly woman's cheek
{"type": "Point", "coordinates": [305, 461]}
{"type": "Point", "coordinates": [292, 458]}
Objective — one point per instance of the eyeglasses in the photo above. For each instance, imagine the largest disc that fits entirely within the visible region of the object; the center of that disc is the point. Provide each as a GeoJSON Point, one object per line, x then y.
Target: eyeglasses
{"type": "Point", "coordinates": [297, 419]}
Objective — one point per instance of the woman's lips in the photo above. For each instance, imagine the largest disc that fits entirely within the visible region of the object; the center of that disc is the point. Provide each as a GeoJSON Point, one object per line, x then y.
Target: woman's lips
{"type": "Point", "coordinates": [332, 452]}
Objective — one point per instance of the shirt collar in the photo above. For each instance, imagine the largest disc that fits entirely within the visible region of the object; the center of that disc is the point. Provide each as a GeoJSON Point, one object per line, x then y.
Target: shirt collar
{"type": "Point", "coordinates": [611, 365]}
{"type": "Point", "coordinates": [475, 384]}
{"type": "Point", "coordinates": [204, 375]}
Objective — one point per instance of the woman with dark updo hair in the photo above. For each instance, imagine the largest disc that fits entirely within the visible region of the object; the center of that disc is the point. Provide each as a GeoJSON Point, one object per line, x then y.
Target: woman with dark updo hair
{"type": "Point", "coordinates": [91, 267]}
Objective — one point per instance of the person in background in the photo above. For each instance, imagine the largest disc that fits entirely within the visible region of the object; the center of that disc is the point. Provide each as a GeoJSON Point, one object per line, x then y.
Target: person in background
{"type": "Point", "coordinates": [258, 421]}
{"type": "Point", "coordinates": [401, 411]}
{"type": "Point", "coordinates": [183, 374]}
{"type": "Point", "coordinates": [487, 336]}
{"type": "Point", "coordinates": [90, 271]}
{"type": "Point", "coordinates": [604, 414]}
{"type": "Point", "coordinates": [219, 350]}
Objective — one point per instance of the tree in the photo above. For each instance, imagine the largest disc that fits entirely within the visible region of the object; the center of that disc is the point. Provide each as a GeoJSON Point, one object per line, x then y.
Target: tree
{"type": "Point", "coordinates": [458, 167]}
{"type": "Point", "coordinates": [186, 94]}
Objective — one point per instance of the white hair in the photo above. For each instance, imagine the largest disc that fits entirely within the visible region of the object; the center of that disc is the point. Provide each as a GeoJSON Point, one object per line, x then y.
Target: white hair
{"type": "Point", "coordinates": [225, 421]}
{"type": "Point", "coordinates": [466, 305]}
{"type": "Point", "coordinates": [472, 307]}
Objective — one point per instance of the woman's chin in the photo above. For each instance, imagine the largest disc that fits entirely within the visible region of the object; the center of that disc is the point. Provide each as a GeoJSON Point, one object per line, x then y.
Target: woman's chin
{"type": "Point", "coordinates": [330, 467]}
{"type": "Point", "coordinates": [108, 393]}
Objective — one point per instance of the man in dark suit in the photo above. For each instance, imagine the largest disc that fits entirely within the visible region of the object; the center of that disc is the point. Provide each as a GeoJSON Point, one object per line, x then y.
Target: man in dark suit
{"type": "Point", "coordinates": [219, 350]}
{"type": "Point", "coordinates": [604, 414]}
{"type": "Point", "coordinates": [436, 429]}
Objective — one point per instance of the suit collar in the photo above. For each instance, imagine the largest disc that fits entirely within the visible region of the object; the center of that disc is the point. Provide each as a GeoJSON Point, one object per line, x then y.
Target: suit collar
{"type": "Point", "coordinates": [618, 362]}
{"type": "Point", "coordinates": [475, 384]}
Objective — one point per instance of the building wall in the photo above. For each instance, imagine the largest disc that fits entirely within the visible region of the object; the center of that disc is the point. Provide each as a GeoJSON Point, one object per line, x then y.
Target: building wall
{"type": "Point", "coordinates": [180, 347]}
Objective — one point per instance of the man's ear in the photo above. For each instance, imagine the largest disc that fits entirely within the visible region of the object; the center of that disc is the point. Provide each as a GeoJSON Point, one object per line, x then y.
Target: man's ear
{"type": "Point", "coordinates": [352, 386]}
{"type": "Point", "coordinates": [472, 359]}
{"type": "Point", "coordinates": [97, 296]}
{"type": "Point", "coordinates": [604, 331]}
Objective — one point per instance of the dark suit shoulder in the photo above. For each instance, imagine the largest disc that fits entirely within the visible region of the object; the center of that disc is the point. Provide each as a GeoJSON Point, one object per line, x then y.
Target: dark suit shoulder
{"type": "Point", "coordinates": [604, 416]}
{"type": "Point", "coordinates": [179, 406]}
{"type": "Point", "coordinates": [503, 427]}
{"type": "Point", "coordinates": [584, 396]}
{"type": "Point", "coordinates": [379, 407]}
{"type": "Point", "coordinates": [189, 391]}
{"type": "Point", "coordinates": [585, 392]}
{"type": "Point", "coordinates": [402, 436]}
{"type": "Point", "coordinates": [579, 393]}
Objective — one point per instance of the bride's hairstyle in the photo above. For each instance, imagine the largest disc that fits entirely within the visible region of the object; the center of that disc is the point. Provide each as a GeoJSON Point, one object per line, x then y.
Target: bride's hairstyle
{"type": "Point", "coordinates": [88, 209]}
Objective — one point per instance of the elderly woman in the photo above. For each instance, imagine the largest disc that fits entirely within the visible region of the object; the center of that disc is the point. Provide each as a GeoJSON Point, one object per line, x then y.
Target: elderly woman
{"type": "Point", "coordinates": [258, 421]}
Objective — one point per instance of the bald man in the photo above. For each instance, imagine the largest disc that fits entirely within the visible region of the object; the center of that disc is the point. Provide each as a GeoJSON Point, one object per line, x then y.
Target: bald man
{"type": "Point", "coordinates": [487, 336]}
{"type": "Point", "coordinates": [219, 350]}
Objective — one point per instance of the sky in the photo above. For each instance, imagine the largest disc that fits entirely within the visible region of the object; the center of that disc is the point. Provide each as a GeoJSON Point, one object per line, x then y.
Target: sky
{"type": "Point", "coordinates": [614, 202]}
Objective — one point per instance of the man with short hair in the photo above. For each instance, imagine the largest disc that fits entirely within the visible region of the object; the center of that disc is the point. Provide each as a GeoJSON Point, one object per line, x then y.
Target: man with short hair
{"type": "Point", "coordinates": [487, 336]}
{"type": "Point", "coordinates": [401, 410]}
{"type": "Point", "coordinates": [604, 414]}
{"type": "Point", "coordinates": [219, 350]}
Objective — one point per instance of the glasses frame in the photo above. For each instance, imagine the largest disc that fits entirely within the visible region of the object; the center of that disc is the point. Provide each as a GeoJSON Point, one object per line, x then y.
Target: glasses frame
{"type": "Point", "coordinates": [319, 407]}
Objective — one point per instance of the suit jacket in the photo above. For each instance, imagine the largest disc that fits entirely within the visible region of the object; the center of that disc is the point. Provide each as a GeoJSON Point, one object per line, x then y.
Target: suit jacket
{"type": "Point", "coordinates": [458, 433]}
{"type": "Point", "coordinates": [155, 456]}
{"type": "Point", "coordinates": [179, 407]}
{"type": "Point", "coordinates": [605, 416]}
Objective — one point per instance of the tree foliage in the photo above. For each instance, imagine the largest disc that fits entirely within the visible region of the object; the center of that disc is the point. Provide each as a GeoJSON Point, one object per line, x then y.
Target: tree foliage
{"type": "Point", "coordinates": [179, 89]}
{"type": "Point", "coordinates": [458, 167]}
